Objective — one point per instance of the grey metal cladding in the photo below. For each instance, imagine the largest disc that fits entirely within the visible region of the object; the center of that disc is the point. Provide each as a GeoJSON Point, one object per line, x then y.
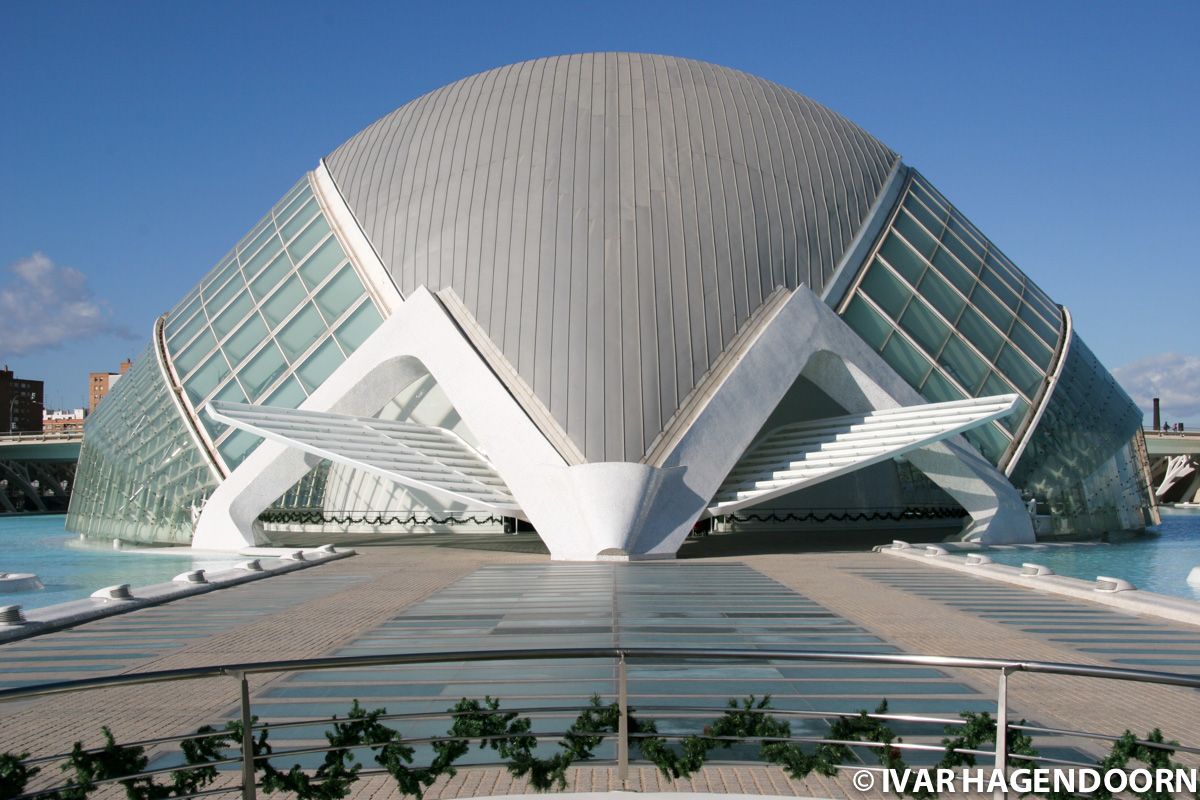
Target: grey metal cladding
{"type": "Point", "coordinates": [611, 219]}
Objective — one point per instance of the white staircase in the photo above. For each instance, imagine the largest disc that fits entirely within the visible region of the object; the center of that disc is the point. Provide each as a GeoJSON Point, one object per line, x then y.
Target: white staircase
{"type": "Point", "coordinates": [801, 454]}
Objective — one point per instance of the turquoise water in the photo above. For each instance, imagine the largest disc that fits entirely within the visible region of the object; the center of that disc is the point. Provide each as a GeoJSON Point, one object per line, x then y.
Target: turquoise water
{"type": "Point", "coordinates": [1158, 561]}
{"type": "Point", "coordinates": [71, 570]}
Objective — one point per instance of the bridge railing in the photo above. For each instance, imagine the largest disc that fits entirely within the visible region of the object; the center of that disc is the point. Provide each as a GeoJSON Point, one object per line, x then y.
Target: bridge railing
{"type": "Point", "coordinates": [40, 437]}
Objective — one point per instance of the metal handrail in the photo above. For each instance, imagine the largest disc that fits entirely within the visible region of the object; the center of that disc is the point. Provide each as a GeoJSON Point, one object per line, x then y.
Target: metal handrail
{"type": "Point", "coordinates": [535, 654]}
{"type": "Point", "coordinates": [241, 671]}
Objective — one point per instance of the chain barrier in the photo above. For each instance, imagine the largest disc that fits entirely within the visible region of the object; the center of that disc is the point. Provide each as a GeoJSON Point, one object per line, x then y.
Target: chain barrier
{"type": "Point", "coordinates": [851, 516]}
{"type": "Point", "coordinates": [280, 516]}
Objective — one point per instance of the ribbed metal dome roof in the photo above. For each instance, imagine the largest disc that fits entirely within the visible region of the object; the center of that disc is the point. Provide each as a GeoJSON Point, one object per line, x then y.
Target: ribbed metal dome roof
{"type": "Point", "coordinates": [611, 219]}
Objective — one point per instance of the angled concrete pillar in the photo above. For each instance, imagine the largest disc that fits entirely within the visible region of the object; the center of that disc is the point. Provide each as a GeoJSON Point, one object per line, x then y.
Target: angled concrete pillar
{"type": "Point", "coordinates": [614, 509]}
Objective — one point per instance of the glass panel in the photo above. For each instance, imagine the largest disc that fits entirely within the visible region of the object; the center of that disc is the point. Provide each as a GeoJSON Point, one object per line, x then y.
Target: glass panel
{"type": "Point", "coordinates": [322, 262]}
{"type": "Point", "coordinates": [234, 313]}
{"type": "Point", "coordinates": [887, 292]}
{"type": "Point", "coordinates": [1031, 345]}
{"type": "Point", "coordinates": [308, 239]}
{"type": "Point", "coordinates": [140, 476]}
{"type": "Point", "coordinates": [186, 361]}
{"type": "Point", "coordinates": [293, 204]}
{"type": "Point", "coordinates": [926, 217]}
{"type": "Point", "coordinates": [939, 390]}
{"type": "Point", "coordinates": [206, 378]}
{"type": "Point", "coordinates": [964, 254]}
{"type": "Point", "coordinates": [1023, 375]}
{"type": "Point", "coordinates": [921, 241]}
{"type": "Point", "coordinates": [1013, 421]}
{"type": "Point", "coordinates": [288, 395]}
{"type": "Point", "coordinates": [262, 258]}
{"type": "Point", "coordinates": [1000, 288]}
{"type": "Point", "coordinates": [181, 309]}
{"type": "Point", "coordinates": [1005, 269]}
{"type": "Point", "coordinates": [972, 325]}
{"type": "Point", "coordinates": [354, 331]}
{"type": "Point", "coordinates": [294, 225]}
{"type": "Point", "coordinates": [245, 340]}
{"type": "Point", "coordinates": [1040, 327]}
{"type": "Point", "coordinates": [967, 235]}
{"type": "Point", "coordinates": [939, 294]}
{"type": "Point", "coordinates": [905, 359]}
{"type": "Point", "coordinates": [272, 275]}
{"type": "Point", "coordinates": [928, 195]}
{"type": "Point", "coordinates": [903, 259]}
{"type": "Point", "coordinates": [303, 329]}
{"type": "Point", "coordinates": [995, 384]}
{"type": "Point", "coordinates": [954, 272]}
{"type": "Point", "coordinates": [185, 334]}
{"type": "Point", "coordinates": [251, 250]}
{"type": "Point", "coordinates": [237, 446]}
{"type": "Point", "coordinates": [963, 365]}
{"type": "Point", "coordinates": [925, 328]}
{"type": "Point", "coordinates": [320, 365]}
{"type": "Point", "coordinates": [176, 320]}
{"type": "Point", "coordinates": [262, 370]}
{"type": "Point", "coordinates": [231, 392]}
{"type": "Point", "coordinates": [219, 275]}
{"type": "Point", "coordinates": [224, 295]}
{"type": "Point", "coordinates": [283, 301]}
{"type": "Point", "coordinates": [254, 239]}
{"type": "Point", "coordinates": [992, 308]}
{"type": "Point", "coordinates": [867, 323]}
{"type": "Point", "coordinates": [302, 187]}
{"type": "Point", "coordinates": [339, 294]}
{"type": "Point", "coordinates": [989, 441]}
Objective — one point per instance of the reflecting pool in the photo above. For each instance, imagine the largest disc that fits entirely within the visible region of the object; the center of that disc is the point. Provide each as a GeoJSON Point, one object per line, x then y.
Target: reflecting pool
{"type": "Point", "coordinates": [1158, 561]}
{"type": "Point", "coordinates": [70, 569]}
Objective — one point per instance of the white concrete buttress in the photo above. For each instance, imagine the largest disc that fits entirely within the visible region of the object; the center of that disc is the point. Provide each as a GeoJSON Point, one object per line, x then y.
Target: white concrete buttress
{"type": "Point", "coordinates": [613, 509]}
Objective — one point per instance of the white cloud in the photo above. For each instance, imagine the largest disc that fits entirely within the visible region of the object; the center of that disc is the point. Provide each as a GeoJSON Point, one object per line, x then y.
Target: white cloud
{"type": "Point", "coordinates": [1171, 377]}
{"type": "Point", "coordinates": [43, 305]}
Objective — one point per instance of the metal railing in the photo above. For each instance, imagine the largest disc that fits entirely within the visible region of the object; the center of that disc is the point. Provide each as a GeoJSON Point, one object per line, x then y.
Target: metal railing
{"type": "Point", "coordinates": [27, 437]}
{"type": "Point", "coordinates": [642, 656]}
{"type": "Point", "coordinates": [1188, 432]}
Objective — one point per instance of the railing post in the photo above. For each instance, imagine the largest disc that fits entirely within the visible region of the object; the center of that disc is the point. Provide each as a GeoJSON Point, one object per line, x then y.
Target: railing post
{"type": "Point", "coordinates": [248, 788]}
{"type": "Point", "coordinates": [1002, 725]}
{"type": "Point", "coordinates": [622, 722]}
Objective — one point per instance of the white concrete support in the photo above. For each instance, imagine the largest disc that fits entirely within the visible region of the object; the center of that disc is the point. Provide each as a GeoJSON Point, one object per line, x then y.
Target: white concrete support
{"type": "Point", "coordinates": [613, 510]}
{"type": "Point", "coordinates": [803, 454]}
{"type": "Point", "coordinates": [579, 511]}
{"type": "Point", "coordinates": [807, 338]}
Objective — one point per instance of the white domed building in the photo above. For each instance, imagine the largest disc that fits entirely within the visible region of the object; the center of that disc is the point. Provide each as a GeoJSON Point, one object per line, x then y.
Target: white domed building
{"type": "Point", "coordinates": [612, 295]}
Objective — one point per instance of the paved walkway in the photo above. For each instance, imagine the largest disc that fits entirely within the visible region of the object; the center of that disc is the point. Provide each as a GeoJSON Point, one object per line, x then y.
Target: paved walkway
{"type": "Point", "coordinates": [421, 597]}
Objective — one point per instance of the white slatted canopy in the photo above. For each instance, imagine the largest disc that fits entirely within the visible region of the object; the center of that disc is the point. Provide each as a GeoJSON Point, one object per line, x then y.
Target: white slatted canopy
{"type": "Point", "coordinates": [423, 457]}
{"type": "Point", "coordinates": [802, 454]}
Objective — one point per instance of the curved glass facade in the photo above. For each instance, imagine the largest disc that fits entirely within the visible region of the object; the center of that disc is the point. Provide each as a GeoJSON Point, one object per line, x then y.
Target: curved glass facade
{"type": "Point", "coordinates": [267, 325]}
{"type": "Point", "coordinates": [954, 316]}
{"type": "Point", "coordinates": [1084, 461]}
{"type": "Point", "coordinates": [140, 475]}
{"type": "Point", "coordinates": [271, 321]}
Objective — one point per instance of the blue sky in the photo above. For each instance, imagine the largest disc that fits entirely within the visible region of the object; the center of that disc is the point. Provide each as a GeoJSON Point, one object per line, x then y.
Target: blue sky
{"type": "Point", "coordinates": [141, 140]}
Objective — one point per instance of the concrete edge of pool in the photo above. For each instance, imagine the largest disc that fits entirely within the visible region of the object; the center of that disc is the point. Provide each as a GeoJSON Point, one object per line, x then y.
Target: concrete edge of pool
{"type": "Point", "coordinates": [1104, 590]}
{"type": "Point", "coordinates": [120, 599]}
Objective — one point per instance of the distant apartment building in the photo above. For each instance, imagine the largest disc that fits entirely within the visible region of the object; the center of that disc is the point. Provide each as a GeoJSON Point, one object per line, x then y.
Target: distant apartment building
{"type": "Point", "coordinates": [64, 421]}
{"type": "Point", "coordinates": [20, 403]}
{"type": "Point", "coordinates": [101, 383]}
